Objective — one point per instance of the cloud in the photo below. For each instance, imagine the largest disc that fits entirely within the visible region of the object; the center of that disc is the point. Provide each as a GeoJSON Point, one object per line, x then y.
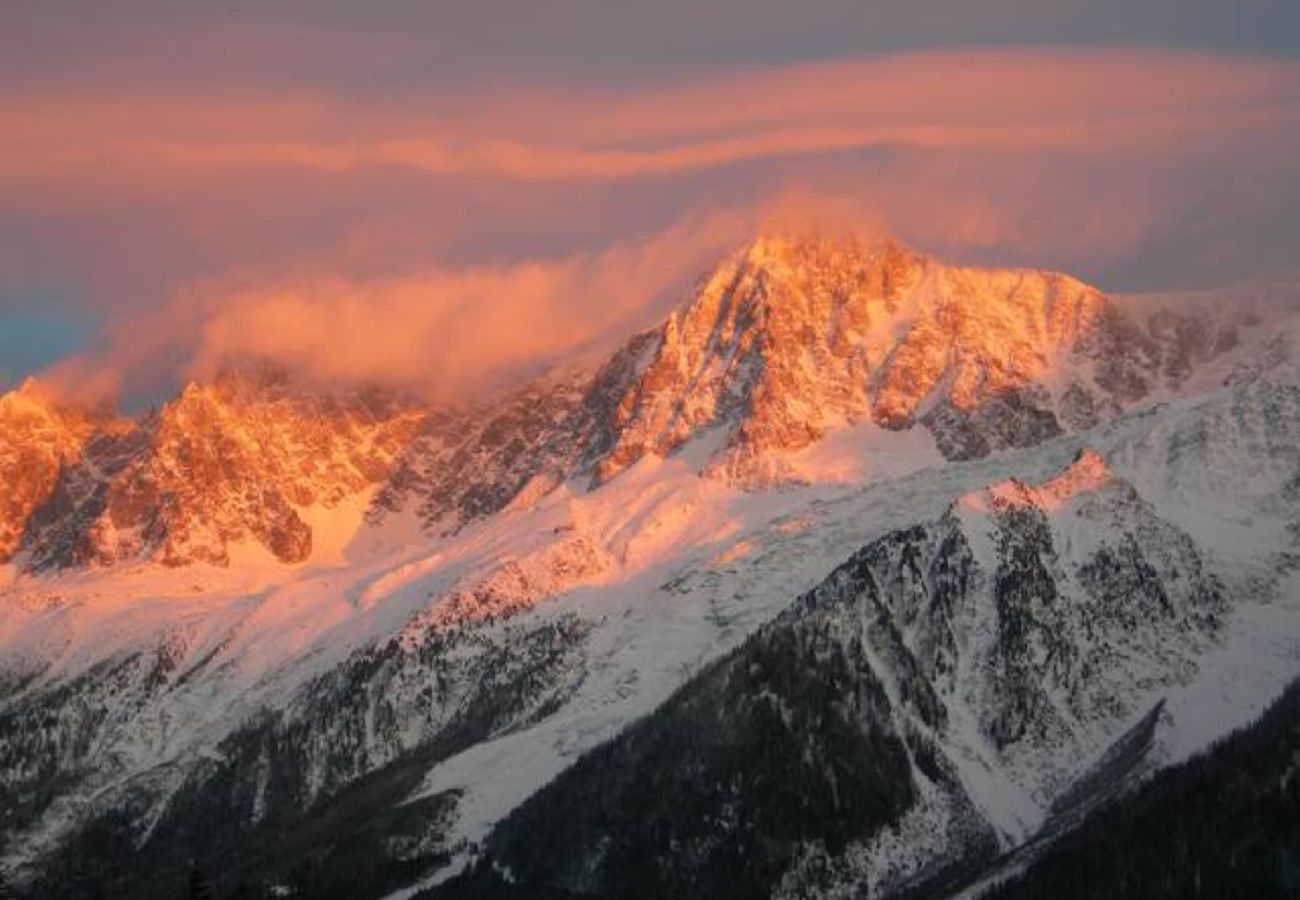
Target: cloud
{"type": "Point", "coordinates": [392, 42]}
{"type": "Point", "coordinates": [1057, 101]}
{"type": "Point", "coordinates": [453, 334]}
{"type": "Point", "coordinates": [453, 235]}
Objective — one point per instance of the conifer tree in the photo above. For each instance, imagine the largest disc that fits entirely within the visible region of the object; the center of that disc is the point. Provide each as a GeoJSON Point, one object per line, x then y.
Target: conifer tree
{"type": "Point", "coordinates": [200, 887]}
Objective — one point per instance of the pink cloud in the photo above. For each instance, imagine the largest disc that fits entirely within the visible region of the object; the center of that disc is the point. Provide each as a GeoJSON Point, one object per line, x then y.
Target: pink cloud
{"type": "Point", "coordinates": [451, 333]}
{"type": "Point", "coordinates": [452, 237]}
{"type": "Point", "coordinates": [1076, 101]}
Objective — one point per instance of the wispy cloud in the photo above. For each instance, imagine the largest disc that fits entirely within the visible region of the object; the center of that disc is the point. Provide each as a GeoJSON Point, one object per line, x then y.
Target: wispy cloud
{"type": "Point", "coordinates": [452, 234]}
{"type": "Point", "coordinates": [450, 333]}
{"type": "Point", "coordinates": [1082, 102]}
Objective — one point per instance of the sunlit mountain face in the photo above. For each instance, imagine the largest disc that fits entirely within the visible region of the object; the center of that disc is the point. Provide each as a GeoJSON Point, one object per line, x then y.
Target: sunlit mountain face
{"type": "Point", "coordinates": [738, 451]}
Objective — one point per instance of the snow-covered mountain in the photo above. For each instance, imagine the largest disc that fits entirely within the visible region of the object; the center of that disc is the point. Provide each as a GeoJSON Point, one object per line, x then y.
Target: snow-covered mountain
{"type": "Point", "coordinates": [237, 461]}
{"type": "Point", "coordinates": [938, 546]}
{"type": "Point", "coordinates": [931, 698]}
{"type": "Point", "coordinates": [38, 437]}
{"type": "Point", "coordinates": [787, 342]}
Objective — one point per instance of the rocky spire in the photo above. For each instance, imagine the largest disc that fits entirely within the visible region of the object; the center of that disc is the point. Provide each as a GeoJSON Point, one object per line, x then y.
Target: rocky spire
{"type": "Point", "coordinates": [793, 336]}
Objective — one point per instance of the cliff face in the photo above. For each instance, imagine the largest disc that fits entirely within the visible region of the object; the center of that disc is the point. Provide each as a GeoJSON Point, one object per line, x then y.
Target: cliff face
{"type": "Point", "coordinates": [38, 437]}
{"type": "Point", "coordinates": [225, 464]}
{"type": "Point", "coordinates": [931, 662]}
{"type": "Point", "coordinates": [850, 743]}
{"type": "Point", "coordinates": [792, 338]}
{"type": "Point", "coordinates": [785, 342]}
{"type": "Point", "coordinates": [777, 344]}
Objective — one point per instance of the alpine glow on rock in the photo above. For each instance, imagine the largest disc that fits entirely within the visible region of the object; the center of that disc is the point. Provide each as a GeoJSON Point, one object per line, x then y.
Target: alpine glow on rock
{"type": "Point", "coordinates": [582, 451]}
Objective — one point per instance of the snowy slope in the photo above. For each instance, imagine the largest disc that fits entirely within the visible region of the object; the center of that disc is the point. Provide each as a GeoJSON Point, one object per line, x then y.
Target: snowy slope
{"type": "Point", "coordinates": [1009, 643]}
{"type": "Point", "coordinates": [366, 607]}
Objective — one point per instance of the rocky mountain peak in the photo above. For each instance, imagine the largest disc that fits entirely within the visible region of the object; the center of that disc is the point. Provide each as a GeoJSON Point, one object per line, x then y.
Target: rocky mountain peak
{"type": "Point", "coordinates": [234, 460]}
{"type": "Point", "coordinates": [793, 336]}
{"type": "Point", "coordinates": [29, 396]}
{"type": "Point", "coordinates": [39, 435]}
{"type": "Point", "coordinates": [790, 338]}
{"type": "Point", "coordinates": [774, 345]}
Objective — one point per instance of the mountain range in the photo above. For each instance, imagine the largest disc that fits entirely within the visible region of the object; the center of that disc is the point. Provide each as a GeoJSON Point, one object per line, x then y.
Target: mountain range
{"type": "Point", "coordinates": [860, 575]}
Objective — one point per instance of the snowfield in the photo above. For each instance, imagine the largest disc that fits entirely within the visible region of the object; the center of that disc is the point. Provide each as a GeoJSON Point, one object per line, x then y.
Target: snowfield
{"type": "Point", "coordinates": [465, 661]}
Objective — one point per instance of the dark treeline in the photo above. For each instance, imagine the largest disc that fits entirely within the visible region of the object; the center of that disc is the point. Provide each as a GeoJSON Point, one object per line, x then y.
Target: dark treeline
{"type": "Point", "coordinates": [1224, 824]}
{"type": "Point", "coordinates": [303, 883]}
{"type": "Point", "coordinates": [198, 886]}
{"type": "Point", "coordinates": [328, 824]}
{"type": "Point", "coordinates": [6, 892]}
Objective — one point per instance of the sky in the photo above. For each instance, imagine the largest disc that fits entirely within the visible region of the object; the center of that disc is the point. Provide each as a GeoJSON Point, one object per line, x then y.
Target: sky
{"type": "Point", "coordinates": [447, 196]}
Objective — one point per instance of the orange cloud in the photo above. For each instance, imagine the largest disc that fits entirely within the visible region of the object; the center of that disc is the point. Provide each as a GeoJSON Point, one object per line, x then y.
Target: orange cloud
{"type": "Point", "coordinates": [452, 239]}
{"type": "Point", "coordinates": [452, 333]}
{"type": "Point", "coordinates": [1077, 101]}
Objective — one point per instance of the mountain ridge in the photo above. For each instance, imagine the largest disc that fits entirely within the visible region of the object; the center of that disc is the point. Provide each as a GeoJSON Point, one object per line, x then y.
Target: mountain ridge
{"type": "Point", "coordinates": [1071, 523]}
{"type": "Point", "coordinates": [786, 341]}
